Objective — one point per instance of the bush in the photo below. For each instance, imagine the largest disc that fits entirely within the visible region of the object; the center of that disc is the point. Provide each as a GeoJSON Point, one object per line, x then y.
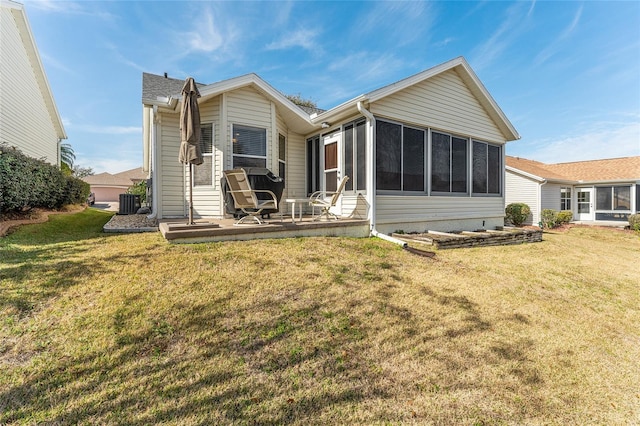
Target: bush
{"type": "Point", "coordinates": [27, 182]}
{"type": "Point", "coordinates": [140, 189]}
{"type": "Point", "coordinates": [564, 217]}
{"type": "Point", "coordinates": [549, 218]}
{"type": "Point", "coordinates": [634, 221]}
{"type": "Point", "coordinates": [517, 213]}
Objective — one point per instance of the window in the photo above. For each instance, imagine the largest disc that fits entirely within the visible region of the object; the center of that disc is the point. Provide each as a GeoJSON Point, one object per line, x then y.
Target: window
{"type": "Point", "coordinates": [448, 163]}
{"type": "Point", "coordinates": [354, 156]}
{"type": "Point", "coordinates": [400, 157]}
{"type": "Point", "coordinates": [282, 155]}
{"type": "Point", "coordinates": [249, 146]}
{"type": "Point", "coordinates": [486, 168]}
{"type": "Point", "coordinates": [203, 174]}
{"type": "Point", "coordinates": [613, 198]}
{"type": "Point", "coordinates": [565, 198]}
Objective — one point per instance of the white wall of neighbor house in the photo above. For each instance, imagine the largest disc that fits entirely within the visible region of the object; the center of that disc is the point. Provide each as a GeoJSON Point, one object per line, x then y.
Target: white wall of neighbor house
{"type": "Point", "coordinates": [522, 189]}
{"type": "Point", "coordinates": [26, 122]}
{"type": "Point", "coordinates": [550, 196]}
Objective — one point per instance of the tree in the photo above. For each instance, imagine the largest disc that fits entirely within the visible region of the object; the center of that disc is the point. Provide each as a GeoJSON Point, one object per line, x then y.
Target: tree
{"type": "Point", "coordinates": [299, 100]}
{"type": "Point", "coordinates": [81, 172]}
{"type": "Point", "coordinates": [67, 156]}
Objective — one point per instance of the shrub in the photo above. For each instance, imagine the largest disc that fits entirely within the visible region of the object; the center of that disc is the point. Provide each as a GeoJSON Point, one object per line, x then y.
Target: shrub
{"type": "Point", "coordinates": [634, 221]}
{"type": "Point", "coordinates": [549, 218]}
{"type": "Point", "coordinates": [564, 217]}
{"type": "Point", "coordinates": [140, 189]}
{"type": "Point", "coordinates": [517, 213]}
{"type": "Point", "coordinates": [27, 182]}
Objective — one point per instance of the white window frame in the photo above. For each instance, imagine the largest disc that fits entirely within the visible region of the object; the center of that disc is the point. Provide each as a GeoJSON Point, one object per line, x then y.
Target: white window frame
{"type": "Point", "coordinates": [206, 155]}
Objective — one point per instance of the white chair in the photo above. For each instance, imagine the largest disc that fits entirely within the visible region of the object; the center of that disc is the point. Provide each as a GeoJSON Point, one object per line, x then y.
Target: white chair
{"type": "Point", "coordinates": [326, 200]}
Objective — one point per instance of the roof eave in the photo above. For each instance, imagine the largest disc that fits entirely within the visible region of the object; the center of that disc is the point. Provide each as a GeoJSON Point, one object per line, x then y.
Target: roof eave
{"type": "Point", "coordinates": [29, 43]}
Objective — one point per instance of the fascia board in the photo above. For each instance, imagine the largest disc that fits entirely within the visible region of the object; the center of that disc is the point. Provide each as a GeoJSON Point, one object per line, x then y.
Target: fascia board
{"type": "Point", "coordinates": [525, 174]}
{"type": "Point", "coordinates": [339, 110]}
{"type": "Point", "coordinates": [28, 41]}
{"type": "Point", "coordinates": [606, 182]}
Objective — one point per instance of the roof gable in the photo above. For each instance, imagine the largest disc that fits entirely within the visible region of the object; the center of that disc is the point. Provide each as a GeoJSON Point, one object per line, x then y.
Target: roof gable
{"type": "Point", "coordinates": [466, 74]}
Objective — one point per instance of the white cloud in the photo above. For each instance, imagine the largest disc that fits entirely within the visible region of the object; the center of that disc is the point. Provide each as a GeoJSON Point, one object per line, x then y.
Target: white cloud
{"type": "Point", "coordinates": [556, 45]}
{"type": "Point", "coordinates": [208, 37]}
{"type": "Point", "coordinates": [69, 8]}
{"type": "Point", "coordinates": [304, 38]}
{"type": "Point", "coordinates": [503, 37]}
{"type": "Point", "coordinates": [602, 140]}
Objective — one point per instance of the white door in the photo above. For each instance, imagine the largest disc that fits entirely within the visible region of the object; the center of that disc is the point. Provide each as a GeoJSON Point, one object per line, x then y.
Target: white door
{"type": "Point", "coordinates": [584, 199]}
{"type": "Point", "coordinates": [331, 162]}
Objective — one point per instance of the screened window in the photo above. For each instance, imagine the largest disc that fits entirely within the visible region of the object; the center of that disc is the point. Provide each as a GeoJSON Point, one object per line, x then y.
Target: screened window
{"type": "Point", "coordinates": [613, 198]}
{"type": "Point", "coordinates": [565, 198]}
{"type": "Point", "coordinates": [282, 155]}
{"type": "Point", "coordinates": [400, 157]}
{"type": "Point", "coordinates": [486, 168]}
{"type": "Point", "coordinates": [448, 163]}
{"type": "Point", "coordinates": [249, 146]}
{"type": "Point", "coordinates": [354, 156]}
{"type": "Point", "coordinates": [203, 173]}
{"type": "Point", "coordinates": [388, 156]}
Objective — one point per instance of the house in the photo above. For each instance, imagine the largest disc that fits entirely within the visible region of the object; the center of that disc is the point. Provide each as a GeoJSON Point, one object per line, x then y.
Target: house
{"type": "Point", "coordinates": [107, 187]}
{"type": "Point", "coordinates": [29, 119]}
{"type": "Point", "coordinates": [426, 152]}
{"type": "Point", "coordinates": [598, 190]}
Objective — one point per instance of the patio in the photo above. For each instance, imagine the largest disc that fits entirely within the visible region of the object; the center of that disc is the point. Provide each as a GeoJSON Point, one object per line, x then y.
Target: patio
{"type": "Point", "coordinates": [177, 230]}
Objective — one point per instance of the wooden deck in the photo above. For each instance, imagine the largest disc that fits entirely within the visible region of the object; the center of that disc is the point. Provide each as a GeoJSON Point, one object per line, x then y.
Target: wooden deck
{"type": "Point", "coordinates": [177, 230]}
{"type": "Point", "coordinates": [447, 240]}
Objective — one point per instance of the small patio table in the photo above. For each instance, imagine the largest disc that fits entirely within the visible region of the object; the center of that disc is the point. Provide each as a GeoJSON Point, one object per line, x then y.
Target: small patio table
{"type": "Point", "coordinates": [300, 202]}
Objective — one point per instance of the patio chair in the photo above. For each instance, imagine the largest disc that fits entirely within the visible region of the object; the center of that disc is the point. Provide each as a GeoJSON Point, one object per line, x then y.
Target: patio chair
{"type": "Point", "coordinates": [245, 199]}
{"type": "Point", "coordinates": [327, 200]}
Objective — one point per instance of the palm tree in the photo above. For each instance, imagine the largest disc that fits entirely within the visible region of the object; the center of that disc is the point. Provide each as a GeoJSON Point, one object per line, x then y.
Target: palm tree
{"type": "Point", "coordinates": [67, 155]}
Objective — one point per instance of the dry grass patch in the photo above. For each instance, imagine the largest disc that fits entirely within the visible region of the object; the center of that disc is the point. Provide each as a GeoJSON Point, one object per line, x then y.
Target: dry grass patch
{"type": "Point", "coordinates": [128, 329]}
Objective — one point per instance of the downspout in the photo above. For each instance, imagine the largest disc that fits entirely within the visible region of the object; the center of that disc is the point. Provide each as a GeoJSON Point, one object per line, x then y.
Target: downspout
{"type": "Point", "coordinates": [544, 182]}
{"type": "Point", "coordinates": [371, 182]}
{"type": "Point", "coordinates": [153, 163]}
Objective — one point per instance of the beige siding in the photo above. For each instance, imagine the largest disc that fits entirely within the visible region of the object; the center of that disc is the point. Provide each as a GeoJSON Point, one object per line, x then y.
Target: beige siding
{"type": "Point", "coordinates": [170, 171]}
{"type": "Point", "coordinates": [207, 199]}
{"type": "Point", "coordinates": [443, 102]}
{"type": "Point", "coordinates": [417, 213]}
{"type": "Point", "coordinates": [24, 118]}
{"type": "Point", "coordinates": [248, 107]}
{"type": "Point", "coordinates": [521, 189]}
{"type": "Point", "coordinates": [551, 196]}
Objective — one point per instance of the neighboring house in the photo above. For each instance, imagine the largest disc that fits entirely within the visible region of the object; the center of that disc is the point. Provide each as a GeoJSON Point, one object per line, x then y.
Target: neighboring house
{"type": "Point", "coordinates": [108, 187]}
{"type": "Point", "coordinates": [598, 190]}
{"type": "Point", "coordinates": [29, 119]}
{"type": "Point", "coordinates": [426, 152]}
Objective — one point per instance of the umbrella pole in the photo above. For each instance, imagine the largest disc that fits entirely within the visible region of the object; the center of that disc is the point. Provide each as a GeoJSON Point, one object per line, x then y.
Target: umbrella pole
{"type": "Point", "coordinates": [190, 194]}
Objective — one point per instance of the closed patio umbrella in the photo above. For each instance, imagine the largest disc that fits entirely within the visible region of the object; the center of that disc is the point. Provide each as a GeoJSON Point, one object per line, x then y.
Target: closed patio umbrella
{"type": "Point", "coordinates": [190, 152]}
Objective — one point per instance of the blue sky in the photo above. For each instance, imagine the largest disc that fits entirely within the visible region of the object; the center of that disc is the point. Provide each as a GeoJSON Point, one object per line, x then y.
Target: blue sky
{"type": "Point", "coordinates": [567, 74]}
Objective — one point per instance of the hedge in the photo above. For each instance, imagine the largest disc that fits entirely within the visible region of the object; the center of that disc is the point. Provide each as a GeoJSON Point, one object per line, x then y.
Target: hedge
{"type": "Point", "coordinates": [27, 182]}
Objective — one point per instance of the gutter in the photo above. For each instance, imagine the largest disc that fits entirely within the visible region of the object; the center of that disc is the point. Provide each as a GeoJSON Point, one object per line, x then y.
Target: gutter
{"type": "Point", "coordinates": [371, 182]}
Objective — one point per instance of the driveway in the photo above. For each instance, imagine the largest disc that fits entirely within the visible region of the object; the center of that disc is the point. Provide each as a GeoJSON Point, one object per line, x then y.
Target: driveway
{"type": "Point", "coordinates": [112, 206]}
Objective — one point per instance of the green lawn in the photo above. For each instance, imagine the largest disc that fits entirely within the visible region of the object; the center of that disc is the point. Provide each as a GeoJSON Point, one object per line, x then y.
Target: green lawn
{"type": "Point", "coordinates": [127, 329]}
